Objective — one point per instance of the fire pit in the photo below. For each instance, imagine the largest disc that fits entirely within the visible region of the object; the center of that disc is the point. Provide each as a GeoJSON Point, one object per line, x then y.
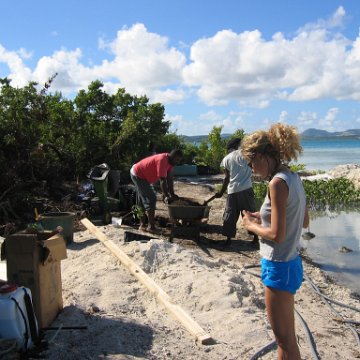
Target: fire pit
{"type": "Point", "coordinates": [186, 215]}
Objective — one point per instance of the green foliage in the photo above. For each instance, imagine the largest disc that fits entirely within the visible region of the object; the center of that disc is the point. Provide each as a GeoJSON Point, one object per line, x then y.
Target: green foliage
{"type": "Point", "coordinates": [297, 167]}
{"type": "Point", "coordinates": [260, 189]}
{"type": "Point", "coordinates": [239, 133]}
{"type": "Point", "coordinates": [138, 211]}
{"type": "Point", "coordinates": [212, 151]}
{"type": "Point", "coordinates": [333, 193]}
{"type": "Point", "coordinates": [169, 142]}
{"type": "Point", "coordinates": [48, 139]}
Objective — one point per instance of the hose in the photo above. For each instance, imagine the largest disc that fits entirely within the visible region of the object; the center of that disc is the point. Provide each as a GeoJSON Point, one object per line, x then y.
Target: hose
{"type": "Point", "coordinates": [308, 334]}
{"type": "Point", "coordinates": [328, 303]}
{"type": "Point", "coordinates": [314, 287]}
{"type": "Point", "coordinates": [264, 350]}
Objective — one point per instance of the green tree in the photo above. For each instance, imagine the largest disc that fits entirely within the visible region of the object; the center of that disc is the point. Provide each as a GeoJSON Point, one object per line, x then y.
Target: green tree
{"type": "Point", "coordinates": [212, 151]}
{"type": "Point", "coordinates": [239, 133]}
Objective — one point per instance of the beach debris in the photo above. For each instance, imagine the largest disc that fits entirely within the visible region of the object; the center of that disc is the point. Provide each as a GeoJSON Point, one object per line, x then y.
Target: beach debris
{"type": "Point", "coordinates": [345, 249]}
{"type": "Point", "coordinates": [308, 235]}
{"type": "Point", "coordinates": [355, 295]}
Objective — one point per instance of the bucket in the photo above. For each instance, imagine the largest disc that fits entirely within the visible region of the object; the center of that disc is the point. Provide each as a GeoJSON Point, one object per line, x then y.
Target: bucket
{"type": "Point", "coordinates": [51, 220]}
{"type": "Point", "coordinates": [17, 319]}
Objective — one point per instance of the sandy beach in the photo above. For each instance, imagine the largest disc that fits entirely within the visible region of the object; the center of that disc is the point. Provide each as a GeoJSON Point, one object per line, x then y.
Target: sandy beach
{"type": "Point", "coordinates": [217, 286]}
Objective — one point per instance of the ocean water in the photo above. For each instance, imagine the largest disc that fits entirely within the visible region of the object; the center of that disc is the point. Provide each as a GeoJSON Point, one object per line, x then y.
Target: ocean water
{"type": "Point", "coordinates": [325, 154]}
{"type": "Point", "coordinates": [333, 231]}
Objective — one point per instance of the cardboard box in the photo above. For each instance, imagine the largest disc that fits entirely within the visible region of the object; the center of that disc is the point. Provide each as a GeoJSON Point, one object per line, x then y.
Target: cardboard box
{"type": "Point", "coordinates": [34, 261]}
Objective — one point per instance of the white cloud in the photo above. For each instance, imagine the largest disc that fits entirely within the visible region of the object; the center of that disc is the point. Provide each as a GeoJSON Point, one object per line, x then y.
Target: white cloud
{"type": "Point", "coordinates": [206, 121]}
{"type": "Point", "coordinates": [315, 63]}
{"type": "Point", "coordinates": [24, 54]}
{"type": "Point", "coordinates": [283, 116]}
{"type": "Point", "coordinates": [182, 126]}
{"type": "Point", "coordinates": [143, 63]}
{"type": "Point", "coordinates": [334, 21]}
{"type": "Point", "coordinates": [19, 74]}
{"type": "Point", "coordinates": [72, 75]}
{"type": "Point", "coordinates": [211, 116]}
{"type": "Point", "coordinates": [307, 119]}
{"type": "Point", "coordinates": [328, 122]}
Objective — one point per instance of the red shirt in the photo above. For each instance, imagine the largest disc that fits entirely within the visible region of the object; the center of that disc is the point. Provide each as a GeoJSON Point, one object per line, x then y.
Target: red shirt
{"type": "Point", "coordinates": [152, 168]}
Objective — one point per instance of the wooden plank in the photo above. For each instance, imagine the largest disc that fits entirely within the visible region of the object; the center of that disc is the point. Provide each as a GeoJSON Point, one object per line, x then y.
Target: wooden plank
{"type": "Point", "coordinates": [194, 328]}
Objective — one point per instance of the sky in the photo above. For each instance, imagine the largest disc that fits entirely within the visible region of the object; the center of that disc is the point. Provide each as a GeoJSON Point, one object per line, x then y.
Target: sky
{"type": "Point", "coordinates": [239, 64]}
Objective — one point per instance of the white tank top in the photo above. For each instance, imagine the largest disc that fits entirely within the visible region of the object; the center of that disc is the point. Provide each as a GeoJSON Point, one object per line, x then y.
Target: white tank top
{"type": "Point", "coordinates": [295, 212]}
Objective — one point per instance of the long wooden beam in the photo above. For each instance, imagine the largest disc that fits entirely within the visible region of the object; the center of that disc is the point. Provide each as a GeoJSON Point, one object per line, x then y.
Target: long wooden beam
{"type": "Point", "coordinates": [194, 328]}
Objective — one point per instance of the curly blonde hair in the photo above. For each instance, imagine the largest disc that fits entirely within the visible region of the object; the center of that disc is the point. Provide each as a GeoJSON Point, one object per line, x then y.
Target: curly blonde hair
{"type": "Point", "coordinates": [282, 142]}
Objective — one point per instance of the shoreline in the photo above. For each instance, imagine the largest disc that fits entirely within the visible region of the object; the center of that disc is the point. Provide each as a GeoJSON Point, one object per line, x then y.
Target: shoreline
{"type": "Point", "coordinates": [215, 288]}
{"type": "Point", "coordinates": [212, 283]}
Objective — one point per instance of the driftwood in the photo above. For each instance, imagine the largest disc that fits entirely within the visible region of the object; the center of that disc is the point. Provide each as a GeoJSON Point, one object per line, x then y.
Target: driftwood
{"type": "Point", "coordinates": [160, 295]}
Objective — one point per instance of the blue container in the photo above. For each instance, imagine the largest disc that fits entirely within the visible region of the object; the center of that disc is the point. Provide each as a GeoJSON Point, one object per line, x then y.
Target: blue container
{"type": "Point", "coordinates": [185, 170]}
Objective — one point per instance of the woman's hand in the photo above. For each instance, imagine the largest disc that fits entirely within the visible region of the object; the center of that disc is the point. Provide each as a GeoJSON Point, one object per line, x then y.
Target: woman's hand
{"type": "Point", "coordinates": [250, 219]}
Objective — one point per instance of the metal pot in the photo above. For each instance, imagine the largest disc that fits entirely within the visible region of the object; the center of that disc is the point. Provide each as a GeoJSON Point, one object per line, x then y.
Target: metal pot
{"type": "Point", "coordinates": [188, 212]}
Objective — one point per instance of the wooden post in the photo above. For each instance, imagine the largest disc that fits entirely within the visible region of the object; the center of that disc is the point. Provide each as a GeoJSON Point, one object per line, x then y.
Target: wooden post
{"type": "Point", "coordinates": [193, 327]}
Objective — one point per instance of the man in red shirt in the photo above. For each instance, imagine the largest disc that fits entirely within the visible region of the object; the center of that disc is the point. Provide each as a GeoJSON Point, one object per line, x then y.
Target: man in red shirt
{"type": "Point", "coordinates": [147, 172]}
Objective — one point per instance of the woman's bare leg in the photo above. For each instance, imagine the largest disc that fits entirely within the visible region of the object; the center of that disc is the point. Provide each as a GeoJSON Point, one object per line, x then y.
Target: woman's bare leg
{"type": "Point", "coordinates": [280, 311]}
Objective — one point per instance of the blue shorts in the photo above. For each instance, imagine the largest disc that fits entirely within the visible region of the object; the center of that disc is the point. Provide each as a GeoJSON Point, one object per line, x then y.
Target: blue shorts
{"type": "Point", "coordinates": [282, 275]}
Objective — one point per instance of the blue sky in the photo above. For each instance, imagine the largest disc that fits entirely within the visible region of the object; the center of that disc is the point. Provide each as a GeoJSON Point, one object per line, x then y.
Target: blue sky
{"type": "Point", "coordinates": [231, 63]}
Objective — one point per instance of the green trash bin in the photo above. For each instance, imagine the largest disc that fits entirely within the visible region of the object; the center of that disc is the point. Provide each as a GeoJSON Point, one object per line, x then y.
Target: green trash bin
{"type": "Point", "coordinates": [51, 220]}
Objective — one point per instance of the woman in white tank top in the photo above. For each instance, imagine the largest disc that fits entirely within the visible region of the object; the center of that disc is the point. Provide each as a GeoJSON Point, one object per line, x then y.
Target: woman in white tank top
{"type": "Point", "coordinates": [279, 224]}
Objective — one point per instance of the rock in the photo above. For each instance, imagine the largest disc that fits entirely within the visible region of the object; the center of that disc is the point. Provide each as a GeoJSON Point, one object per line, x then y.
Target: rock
{"type": "Point", "coordinates": [349, 171]}
{"type": "Point", "coordinates": [344, 249]}
{"type": "Point", "coordinates": [308, 235]}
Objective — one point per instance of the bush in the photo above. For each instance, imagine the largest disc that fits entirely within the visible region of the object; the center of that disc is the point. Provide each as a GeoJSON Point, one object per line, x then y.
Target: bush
{"type": "Point", "coordinates": [334, 193]}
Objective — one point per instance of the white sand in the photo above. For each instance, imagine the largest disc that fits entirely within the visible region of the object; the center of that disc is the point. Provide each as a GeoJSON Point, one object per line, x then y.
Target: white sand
{"type": "Point", "coordinates": [209, 282]}
{"type": "Point", "coordinates": [125, 322]}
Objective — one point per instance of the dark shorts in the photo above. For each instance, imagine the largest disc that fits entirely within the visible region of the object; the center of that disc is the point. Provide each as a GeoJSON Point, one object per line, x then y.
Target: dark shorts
{"type": "Point", "coordinates": [146, 196]}
{"type": "Point", "coordinates": [235, 204]}
{"type": "Point", "coordinates": [282, 275]}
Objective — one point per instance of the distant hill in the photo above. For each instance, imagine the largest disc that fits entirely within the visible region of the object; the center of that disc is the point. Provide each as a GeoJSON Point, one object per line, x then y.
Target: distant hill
{"type": "Point", "coordinates": [316, 133]}
{"type": "Point", "coordinates": [199, 138]}
{"type": "Point", "coordinates": [309, 133]}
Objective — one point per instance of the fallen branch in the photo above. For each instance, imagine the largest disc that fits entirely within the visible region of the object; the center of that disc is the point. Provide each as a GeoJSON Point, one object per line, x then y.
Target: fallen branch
{"type": "Point", "coordinates": [194, 328]}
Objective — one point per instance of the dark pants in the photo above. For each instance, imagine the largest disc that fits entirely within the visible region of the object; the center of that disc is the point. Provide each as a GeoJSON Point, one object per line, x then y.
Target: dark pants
{"type": "Point", "coordinates": [235, 204]}
{"type": "Point", "coordinates": [146, 196]}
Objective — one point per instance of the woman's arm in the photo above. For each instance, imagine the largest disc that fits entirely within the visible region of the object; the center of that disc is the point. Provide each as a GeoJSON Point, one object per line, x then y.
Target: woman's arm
{"type": "Point", "coordinates": [279, 192]}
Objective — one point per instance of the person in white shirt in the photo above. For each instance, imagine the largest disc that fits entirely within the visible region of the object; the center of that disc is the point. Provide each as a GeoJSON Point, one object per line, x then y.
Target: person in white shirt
{"type": "Point", "coordinates": [240, 194]}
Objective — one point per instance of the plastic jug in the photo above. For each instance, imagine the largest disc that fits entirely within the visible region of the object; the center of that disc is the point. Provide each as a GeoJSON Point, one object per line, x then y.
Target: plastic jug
{"type": "Point", "coordinates": [17, 317]}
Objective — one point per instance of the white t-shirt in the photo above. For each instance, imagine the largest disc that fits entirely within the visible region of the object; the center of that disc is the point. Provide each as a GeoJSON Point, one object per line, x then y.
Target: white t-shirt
{"type": "Point", "coordinates": [240, 172]}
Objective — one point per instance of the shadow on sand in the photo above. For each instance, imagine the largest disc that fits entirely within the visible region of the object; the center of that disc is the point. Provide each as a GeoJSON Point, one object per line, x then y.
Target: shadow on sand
{"type": "Point", "coordinates": [99, 336]}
